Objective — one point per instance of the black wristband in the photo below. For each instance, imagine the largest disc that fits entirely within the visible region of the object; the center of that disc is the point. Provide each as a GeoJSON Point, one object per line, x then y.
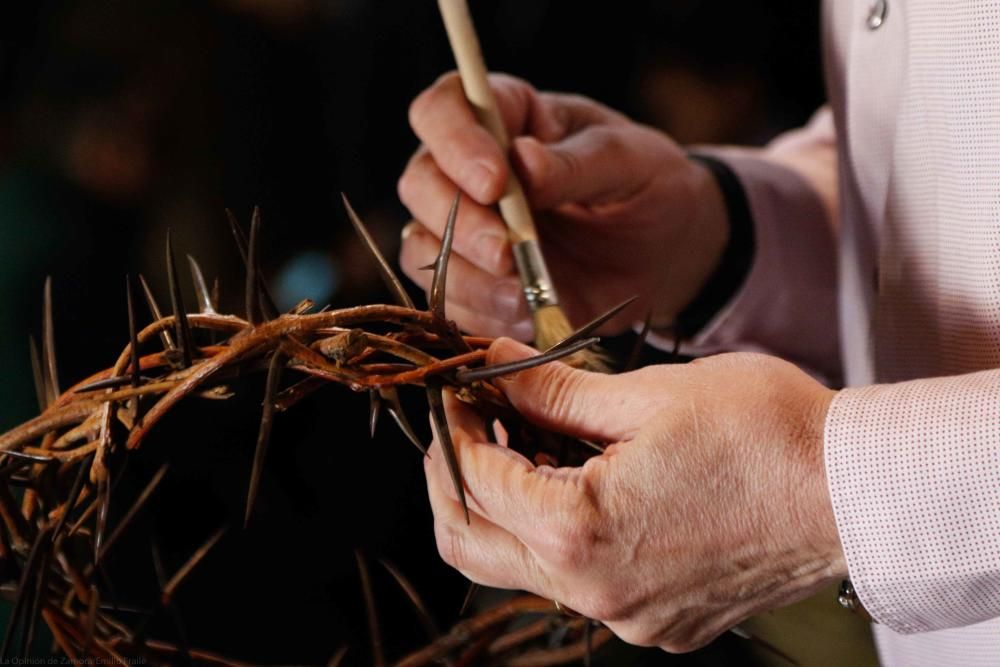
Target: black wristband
{"type": "Point", "coordinates": [737, 257]}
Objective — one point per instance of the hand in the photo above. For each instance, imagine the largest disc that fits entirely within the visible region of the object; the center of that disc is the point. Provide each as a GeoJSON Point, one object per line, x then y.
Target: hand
{"type": "Point", "coordinates": [710, 506]}
{"type": "Point", "coordinates": [622, 210]}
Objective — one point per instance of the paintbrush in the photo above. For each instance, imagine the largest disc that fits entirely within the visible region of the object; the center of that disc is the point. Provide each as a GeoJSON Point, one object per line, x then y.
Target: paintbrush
{"type": "Point", "coordinates": [551, 323]}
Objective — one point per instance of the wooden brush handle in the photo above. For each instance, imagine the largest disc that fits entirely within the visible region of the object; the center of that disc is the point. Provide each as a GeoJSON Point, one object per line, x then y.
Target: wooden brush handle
{"type": "Point", "coordinates": [465, 45]}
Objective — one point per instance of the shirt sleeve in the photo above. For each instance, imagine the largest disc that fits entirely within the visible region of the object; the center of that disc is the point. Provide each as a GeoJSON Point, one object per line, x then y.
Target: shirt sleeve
{"type": "Point", "coordinates": [914, 476]}
{"type": "Point", "coordinates": [787, 305]}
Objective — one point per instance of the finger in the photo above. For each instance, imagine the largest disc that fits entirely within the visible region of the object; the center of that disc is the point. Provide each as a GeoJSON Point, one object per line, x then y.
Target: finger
{"type": "Point", "coordinates": [473, 322]}
{"type": "Point", "coordinates": [442, 119]}
{"type": "Point", "coordinates": [602, 164]}
{"type": "Point", "coordinates": [593, 406]}
{"type": "Point", "coordinates": [481, 550]}
{"type": "Point", "coordinates": [480, 234]}
{"type": "Point", "coordinates": [468, 285]}
{"type": "Point", "coordinates": [539, 506]}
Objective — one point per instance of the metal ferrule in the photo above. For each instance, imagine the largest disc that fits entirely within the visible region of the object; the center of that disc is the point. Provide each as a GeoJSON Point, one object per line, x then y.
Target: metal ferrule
{"type": "Point", "coordinates": [538, 289]}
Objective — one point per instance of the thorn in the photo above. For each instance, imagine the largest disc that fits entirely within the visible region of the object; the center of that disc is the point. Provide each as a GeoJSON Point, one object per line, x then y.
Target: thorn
{"type": "Point", "coordinates": [168, 590]}
{"type": "Point", "coordinates": [374, 408]}
{"type": "Point", "coordinates": [107, 383]}
{"type": "Point", "coordinates": [264, 434]}
{"type": "Point", "coordinates": [103, 505]}
{"type": "Point", "coordinates": [252, 286]}
{"type": "Point", "coordinates": [133, 333]}
{"type": "Point", "coordinates": [636, 354]}
{"type": "Point", "coordinates": [133, 511]}
{"type": "Point", "coordinates": [92, 608]}
{"type": "Point", "coordinates": [423, 614]}
{"type": "Point", "coordinates": [438, 283]}
{"type": "Point", "coordinates": [466, 376]}
{"type": "Point", "coordinates": [41, 391]}
{"type": "Point", "coordinates": [378, 658]}
{"type": "Point", "coordinates": [181, 327]}
{"type": "Point", "coordinates": [390, 395]}
{"type": "Point", "coordinates": [427, 267]}
{"type": "Point", "coordinates": [388, 276]}
{"type": "Point", "coordinates": [74, 495]}
{"type": "Point", "coordinates": [37, 458]}
{"type": "Point", "coordinates": [154, 309]}
{"type": "Point", "coordinates": [588, 644]}
{"type": "Point", "coordinates": [171, 608]}
{"type": "Point", "coordinates": [41, 587]}
{"type": "Point", "coordinates": [200, 287]}
{"type": "Point", "coordinates": [436, 401]}
{"type": "Point", "coordinates": [266, 302]}
{"type": "Point", "coordinates": [49, 345]}
{"type": "Point", "coordinates": [470, 595]}
{"type": "Point", "coordinates": [338, 657]}
{"type": "Point", "coordinates": [587, 329]}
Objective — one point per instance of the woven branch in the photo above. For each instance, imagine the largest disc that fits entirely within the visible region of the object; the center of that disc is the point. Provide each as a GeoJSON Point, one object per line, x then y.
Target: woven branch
{"type": "Point", "coordinates": [57, 536]}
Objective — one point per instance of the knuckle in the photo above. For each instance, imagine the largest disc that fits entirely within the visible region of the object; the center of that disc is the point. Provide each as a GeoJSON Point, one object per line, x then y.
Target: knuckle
{"type": "Point", "coordinates": [422, 109]}
{"type": "Point", "coordinates": [451, 546]}
{"type": "Point", "coordinates": [562, 386]}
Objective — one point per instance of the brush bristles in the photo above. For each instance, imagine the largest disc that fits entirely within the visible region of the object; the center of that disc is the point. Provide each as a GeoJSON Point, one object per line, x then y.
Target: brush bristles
{"type": "Point", "coordinates": [552, 327]}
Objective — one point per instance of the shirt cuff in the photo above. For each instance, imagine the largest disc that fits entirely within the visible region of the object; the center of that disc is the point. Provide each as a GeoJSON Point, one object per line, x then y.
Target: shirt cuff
{"type": "Point", "coordinates": [914, 476]}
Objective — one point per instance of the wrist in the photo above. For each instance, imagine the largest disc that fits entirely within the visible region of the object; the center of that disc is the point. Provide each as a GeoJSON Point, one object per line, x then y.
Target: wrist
{"type": "Point", "coordinates": [695, 255]}
{"type": "Point", "coordinates": [723, 232]}
{"type": "Point", "coordinates": [818, 519]}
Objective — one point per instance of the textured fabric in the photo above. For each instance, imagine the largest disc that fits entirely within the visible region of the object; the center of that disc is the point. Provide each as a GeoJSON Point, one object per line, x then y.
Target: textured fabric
{"type": "Point", "coordinates": [913, 467]}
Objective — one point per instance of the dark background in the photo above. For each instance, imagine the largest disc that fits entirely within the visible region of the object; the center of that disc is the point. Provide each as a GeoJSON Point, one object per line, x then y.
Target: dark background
{"type": "Point", "coordinates": [120, 119]}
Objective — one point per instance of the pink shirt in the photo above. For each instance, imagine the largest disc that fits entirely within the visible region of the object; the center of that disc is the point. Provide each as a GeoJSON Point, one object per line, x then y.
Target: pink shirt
{"type": "Point", "coordinates": [913, 443]}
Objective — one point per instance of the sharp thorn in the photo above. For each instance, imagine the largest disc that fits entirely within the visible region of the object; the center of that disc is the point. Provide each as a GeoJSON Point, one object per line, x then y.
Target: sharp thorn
{"type": "Point", "coordinates": [489, 372]}
{"type": "Point", "coordinates": [154, 309]}
{"type": "Point", "coordinates": [440, 279]}
{"type": "Point", "coordinates": [436, 401]}
{"type": "Point", "coordinates": [182, 329]}
{"type": "Point", "coordinates": [238, 237]}
{"type": "Point", "coordinates": [590, 327]}
{"type": "Point", "coordinates": [470, 595]}
{"type": "Point", "coordinates": [423, 614]}
{"type": "Point", "coordinates": [266, 302]}
{"type": "Point", "coordinates": [388, 276]}
{"type": "Point", "coordinates": [636, 354]}
{"type": "Point", "coordinates": [41, 586]}
{"type": "Point", "coordinates": [133, 333]}
{"type": "Point", "coordinates": [264, 434]}
{"type": "Point", "coordinates": [427, 267]}
{"type": "Point", "coordinates": [133, 511]}
{"type": "Point", "coordinates": [338, 657]}
{"type": "Point", "coordinates": [74, 496]}
{"type": "Point", "coordinates": [170, 588]}
{"type": "Point", "coordinates": [374, 408]}
{"type": "Point", "coordinates": [390, 396]}
{"type": "Point", "coordinates": [252, 285]}
{"type": "Point", "coordinates": [103, 506]}
{"type": "Point", "coordinates": [37, 458]}
{"type": "Point", "coordinates": [167, 603]}
{"type": "Point", "coordinates": [200, 287]}
{"type": "Point", "coordinates": [378, 657]}
{"type": "Point", "coordinates": [108, 383]}
{"type": "Point", "coordinates": [49, 345]}
{"type": "Point", "coordinates": [41, 391]}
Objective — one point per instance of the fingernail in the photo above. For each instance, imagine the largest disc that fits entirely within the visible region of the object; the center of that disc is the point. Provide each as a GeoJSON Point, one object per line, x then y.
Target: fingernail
{"type": "Point", "coordinates": [408, 229]}
{"type": "Point", "coordinates": [508, 300]}
{"type": "Point", "coordinates": [479, 180]}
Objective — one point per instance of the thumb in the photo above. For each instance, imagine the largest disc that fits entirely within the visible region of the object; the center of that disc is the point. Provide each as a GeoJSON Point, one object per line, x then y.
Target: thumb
{"type": "Point", "coordinates": [600, 164]}
{"type": "Point", "coordinates": [567, 400]}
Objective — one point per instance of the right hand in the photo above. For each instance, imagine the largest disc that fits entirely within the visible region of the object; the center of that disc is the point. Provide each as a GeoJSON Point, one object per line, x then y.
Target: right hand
{"type": "Point", "coordinates": [622, 211]}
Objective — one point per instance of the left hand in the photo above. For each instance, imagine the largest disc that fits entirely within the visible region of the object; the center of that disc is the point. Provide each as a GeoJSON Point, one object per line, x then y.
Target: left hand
{"type": "Point", "coordinates": [710, 506]}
